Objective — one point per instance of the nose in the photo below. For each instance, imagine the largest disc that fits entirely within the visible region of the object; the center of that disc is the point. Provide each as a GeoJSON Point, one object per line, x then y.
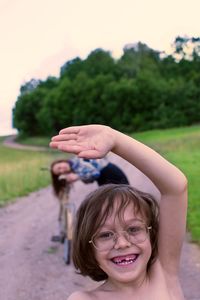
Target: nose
{"type": "Point", "coordinates": [61, 170]}
{"type": "Point", "coordinates": [121, 241]}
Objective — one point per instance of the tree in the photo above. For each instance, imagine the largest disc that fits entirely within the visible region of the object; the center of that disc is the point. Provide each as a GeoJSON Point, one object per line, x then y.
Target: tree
{"type": "Point", "coordinates": [135, 58]}
{"type": "Point", "coordinates": [71, 68]}
{"type": "Point", "coordinates": [99, 62]}
{"type": "Point", "coordinates": [29, 104]}
{"type": "Point", "coordinates": [139, 91]}
{"type": "Point", "coordinates": [25, 112]}
{"type": "Point", "coordinates": [185, 47]}
{"type": "Point", "coordinates": [29, 86]}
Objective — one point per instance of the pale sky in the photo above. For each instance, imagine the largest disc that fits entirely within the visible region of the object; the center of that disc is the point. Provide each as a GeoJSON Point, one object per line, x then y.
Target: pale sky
{"type": "Point", "coordinates": [38, 36]}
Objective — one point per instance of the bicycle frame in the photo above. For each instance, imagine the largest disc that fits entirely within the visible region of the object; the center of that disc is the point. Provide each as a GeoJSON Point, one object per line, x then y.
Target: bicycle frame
{"type": "Point", "coordinates": [66, 217]}
{"type": "Point", "coordinates": [66, 221]}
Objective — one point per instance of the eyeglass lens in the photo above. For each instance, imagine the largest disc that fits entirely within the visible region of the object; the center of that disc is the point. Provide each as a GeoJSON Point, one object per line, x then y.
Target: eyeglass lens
{"type": "Point", "coordinates": [134, 233]}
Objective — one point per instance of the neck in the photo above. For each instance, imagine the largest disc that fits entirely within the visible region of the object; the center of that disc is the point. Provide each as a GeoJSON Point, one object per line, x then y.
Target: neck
{"type": "Point", "coordinates": [127, 286]}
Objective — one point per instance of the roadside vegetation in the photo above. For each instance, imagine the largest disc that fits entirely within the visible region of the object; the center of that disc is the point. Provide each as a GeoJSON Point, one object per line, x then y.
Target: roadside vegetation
{"type": "Point", "coordinates": [35, 140]}
{"type": "Point", "coordinates": [20, 171]}
{"type": "Point", "coordinates": [151, 89]}
{"type": "Point", "coordinates": [181, 147]}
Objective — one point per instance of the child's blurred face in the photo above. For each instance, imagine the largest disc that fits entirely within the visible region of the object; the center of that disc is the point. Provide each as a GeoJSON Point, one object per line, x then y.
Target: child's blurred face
{"type": "Point", "coordinates": [61, 168]}
{"type": "Point", "coordinates": [124, 247]}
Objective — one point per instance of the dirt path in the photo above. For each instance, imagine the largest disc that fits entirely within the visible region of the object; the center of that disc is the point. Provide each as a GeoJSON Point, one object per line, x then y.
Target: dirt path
{"type": "Point", "coordinates": [31, 266]}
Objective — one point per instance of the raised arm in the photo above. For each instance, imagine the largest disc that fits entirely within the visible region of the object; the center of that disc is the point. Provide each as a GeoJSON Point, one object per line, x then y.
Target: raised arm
{"type": "Point", "coordinates": [95, 141]}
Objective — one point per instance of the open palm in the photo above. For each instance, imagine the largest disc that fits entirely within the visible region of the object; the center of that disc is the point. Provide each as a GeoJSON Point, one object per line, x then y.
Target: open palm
{"type": "Point", "coordinates": [91, 141]}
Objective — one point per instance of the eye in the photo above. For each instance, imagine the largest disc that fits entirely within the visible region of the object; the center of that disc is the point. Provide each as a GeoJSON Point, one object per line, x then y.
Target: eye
{"type": "Point", "coordinates": [105, 235]}
{"type": "Point", "coordinates": [133, 230]}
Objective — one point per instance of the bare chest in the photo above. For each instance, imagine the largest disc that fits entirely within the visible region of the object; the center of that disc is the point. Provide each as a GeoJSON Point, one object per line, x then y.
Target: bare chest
{"type": "Point", "coordinates": [157, 294]}
{"type": "Point", "coordinates": [156, 289]}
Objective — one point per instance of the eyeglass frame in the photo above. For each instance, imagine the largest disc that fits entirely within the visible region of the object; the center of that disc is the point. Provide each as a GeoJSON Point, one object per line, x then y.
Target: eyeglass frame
{"type": "Point", "coordinates": [148, 228]}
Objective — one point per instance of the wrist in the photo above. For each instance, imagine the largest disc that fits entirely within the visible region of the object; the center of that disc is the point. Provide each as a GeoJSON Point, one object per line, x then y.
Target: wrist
{"type": "Point", "coordinates": [116, 137]}
{"type": "Point", "coordinates": [111, 137]}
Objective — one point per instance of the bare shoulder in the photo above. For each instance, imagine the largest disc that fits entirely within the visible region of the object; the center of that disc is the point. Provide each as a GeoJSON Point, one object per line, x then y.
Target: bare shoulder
{"type": "Point", "coordinates": [79, 296]}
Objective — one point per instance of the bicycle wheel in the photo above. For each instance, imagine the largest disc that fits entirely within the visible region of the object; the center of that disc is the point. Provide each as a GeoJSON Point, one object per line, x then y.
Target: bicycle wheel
{"type": "Point", "coordinates": [67, 251]}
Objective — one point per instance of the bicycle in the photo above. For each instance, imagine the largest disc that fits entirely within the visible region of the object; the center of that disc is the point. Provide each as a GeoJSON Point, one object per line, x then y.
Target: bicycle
{"type": "Point", "coordinates": [66, 218]}
{"type": "Point", "coordinates": [66, 221]}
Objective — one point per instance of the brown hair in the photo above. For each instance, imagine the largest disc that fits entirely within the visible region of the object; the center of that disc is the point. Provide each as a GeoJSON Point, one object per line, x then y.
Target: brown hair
{"type": "Point", "coordinates": [93, 212]}
{"type": "Point", "coordinates": [59, 185]}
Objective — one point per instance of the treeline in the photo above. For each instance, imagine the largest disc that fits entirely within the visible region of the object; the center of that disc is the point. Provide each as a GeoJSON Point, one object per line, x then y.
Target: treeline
{"type": "Point", "coordinates": [143, 89]}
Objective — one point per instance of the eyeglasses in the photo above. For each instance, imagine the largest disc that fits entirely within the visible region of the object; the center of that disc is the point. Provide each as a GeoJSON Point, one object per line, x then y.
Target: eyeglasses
{"type": "Point", "coordinates": [135, 233]}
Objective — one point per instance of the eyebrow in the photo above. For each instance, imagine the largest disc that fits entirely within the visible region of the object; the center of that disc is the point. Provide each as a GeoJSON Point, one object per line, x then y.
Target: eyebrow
{"type": "Point", "coordinates": [109, 225]}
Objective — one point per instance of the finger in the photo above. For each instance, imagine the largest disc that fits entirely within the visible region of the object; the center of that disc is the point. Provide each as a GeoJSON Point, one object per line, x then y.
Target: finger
{"type": "Point", "coordinates": [53, 145]}
{"type": "Point", "coordinates": [64, 137]}
{"type": "Point", "coordinates": [70, 148]}
{"type": "Point", "coordinates": [60, 144]}
{"type": "Point", "coordinates": [72, 129]}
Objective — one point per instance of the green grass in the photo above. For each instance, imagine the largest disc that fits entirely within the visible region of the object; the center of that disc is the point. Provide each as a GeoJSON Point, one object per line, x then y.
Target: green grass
{"type": "Point", "coordinates": [181, 147]}
{"type": "Point", "coordinates": [36, 141]}
{"type": "Point", "coordinates": [167, 134]}
{"type": "Point", "coordinates": [20, 171]}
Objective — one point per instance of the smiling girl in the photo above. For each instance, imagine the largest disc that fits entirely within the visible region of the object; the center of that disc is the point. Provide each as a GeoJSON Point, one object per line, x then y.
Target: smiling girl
{"type": "Point", "coordinates": [122, 237]}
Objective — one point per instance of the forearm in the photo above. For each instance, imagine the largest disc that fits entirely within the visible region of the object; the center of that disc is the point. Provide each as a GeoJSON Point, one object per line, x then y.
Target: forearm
{"type": "Point", "coordinates": [162, 173]}
{"type": "Point", "coordinates": [72, 177]}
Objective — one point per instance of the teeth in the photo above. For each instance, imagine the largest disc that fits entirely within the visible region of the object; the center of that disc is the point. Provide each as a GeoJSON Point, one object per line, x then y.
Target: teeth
{"type": "Point", "coordinates": [125, 260]}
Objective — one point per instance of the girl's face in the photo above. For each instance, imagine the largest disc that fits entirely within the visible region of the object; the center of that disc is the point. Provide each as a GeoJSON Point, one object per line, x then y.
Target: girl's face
{"type": "Point", "coordinates": [123, 257]}
{"type": "Point", "coordinates": [61, 168]}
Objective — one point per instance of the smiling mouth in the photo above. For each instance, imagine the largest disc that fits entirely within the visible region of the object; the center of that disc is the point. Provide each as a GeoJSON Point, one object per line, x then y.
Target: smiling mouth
{"type": "Point", "coordinates": [125, 260]}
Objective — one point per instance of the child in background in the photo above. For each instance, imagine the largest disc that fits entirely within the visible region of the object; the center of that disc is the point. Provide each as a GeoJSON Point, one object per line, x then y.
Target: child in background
{"type": "Point", "coordinates": [119, 237]}
{"type": "Point", "coordinates": [66, 171]}
{"type": "Point", "coordinates": [87, 170]}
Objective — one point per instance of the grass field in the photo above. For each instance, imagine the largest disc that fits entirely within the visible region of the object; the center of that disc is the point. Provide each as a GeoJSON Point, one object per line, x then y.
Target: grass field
{"type": "Point", "coordinates": [20, 171]}
{"type": "Point", "coordinates": [181, 147]}
{"type": "Point", "coordinates": [36, 141]}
